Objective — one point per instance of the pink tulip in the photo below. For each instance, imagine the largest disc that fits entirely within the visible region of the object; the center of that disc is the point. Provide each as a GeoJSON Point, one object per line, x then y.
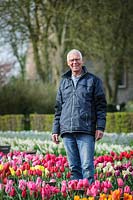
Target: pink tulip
{"type": "Point", "coordinates": [105, 190]}
{"type": "Point", "coordinates": [38, 182]}
{"type": "Point", "coordinates": [64, 187]}
{"type": "Point", "coordinates": [85, 182]}
{"type": "Point", "coordinates": [45, 193]}
{"type": "Point", "coordinates": [97, 184]}
{"type": "Point", "coordinates": [126, 189]}
{"type": "Point", "coordinates": [80, 184]}
{"type": "Point", "coordinates": [72, 185]}
{"type": "Point", "coordinates": [31, 185]}
{"type": "Point", "coordinates": [9, 186]}
{"type": "Point", "coordinates": [107, 184]}
{"type": "Point", "coordinates": [22, 184]}
{"type": "Point", "coordinates": [94, 191]}
{"type": "Point", "coordinates": [52, 181]}
{"type": "Point", "coordinates": [120, 182]}
{"type": "Point", "coordinates": [1, 186]}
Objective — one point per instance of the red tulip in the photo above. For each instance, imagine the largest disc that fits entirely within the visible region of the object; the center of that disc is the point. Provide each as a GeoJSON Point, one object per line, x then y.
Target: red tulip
{"type": "Point", "coordinates": [24, 193]}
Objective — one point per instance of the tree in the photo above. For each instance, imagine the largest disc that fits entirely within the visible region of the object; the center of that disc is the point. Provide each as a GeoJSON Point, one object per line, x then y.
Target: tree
{"type": "Point", "coordinates": [13, 31]}
{"type": "Point", "coordinates": [107, 36]}
{"type": "Point", "coordinates": [100, 29]}
{"type": "Point", "coordinates": [44, 25]}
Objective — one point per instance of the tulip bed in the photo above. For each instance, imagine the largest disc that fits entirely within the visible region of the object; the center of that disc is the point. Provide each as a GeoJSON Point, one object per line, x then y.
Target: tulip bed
{"type": "Point", "coordinates": [41, 142]}
{"type": "Point", "coordinates": [46, 176]}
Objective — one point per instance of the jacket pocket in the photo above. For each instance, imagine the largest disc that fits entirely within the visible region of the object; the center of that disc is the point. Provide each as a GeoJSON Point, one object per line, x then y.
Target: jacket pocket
{"type": "Point", "coordinates": [85, 118]}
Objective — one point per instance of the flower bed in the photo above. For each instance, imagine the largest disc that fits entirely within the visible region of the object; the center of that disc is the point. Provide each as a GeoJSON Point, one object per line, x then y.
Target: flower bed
{"type": "Point", "coordinates": [41, 142]}
{"type": "Point", "coordinates": [36, 168]}
{"type": "Point", "coordinates": [44, 177]}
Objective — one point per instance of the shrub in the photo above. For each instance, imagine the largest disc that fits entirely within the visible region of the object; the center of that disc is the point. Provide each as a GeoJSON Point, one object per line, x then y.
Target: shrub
{"type": "Point", "coordinates": [24, 97]}
{"type": "Point", "coordinates": [119, 122]}
{"type": "Point", "coordinates": [41, 122]}
{"type": "Point", "coordinates": [129, 106]}
{"type": "Point", "coordinates": [11, 122]}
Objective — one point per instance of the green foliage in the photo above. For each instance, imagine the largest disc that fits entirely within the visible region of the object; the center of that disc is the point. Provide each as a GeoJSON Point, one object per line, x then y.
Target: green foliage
{"type": "Point", "coordinates": [129, 106]}
{"type": "Point", "coordinates": [42, 122]}
{"type": "Point", "coordinates": [11, 122]}
{"type": "Point", "coordinates": [119, 122]}
{"type": "Point", "coordinates": [24, 97]}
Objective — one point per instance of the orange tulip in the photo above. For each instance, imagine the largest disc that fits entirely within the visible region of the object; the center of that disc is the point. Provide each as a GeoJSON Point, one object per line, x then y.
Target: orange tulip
{"type": "Point", "coordinates": [116, 195]}
{"type": "Point", "coordinates": [127, 196]}
{"type": "Point", "coordinates": [103, 197]}
{"type": "Point", "coordinates": [76, 197]}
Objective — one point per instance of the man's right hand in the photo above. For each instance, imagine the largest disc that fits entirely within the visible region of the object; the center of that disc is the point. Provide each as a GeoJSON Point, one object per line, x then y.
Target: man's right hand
{"type": "Point", "coordinates": [55, 138]}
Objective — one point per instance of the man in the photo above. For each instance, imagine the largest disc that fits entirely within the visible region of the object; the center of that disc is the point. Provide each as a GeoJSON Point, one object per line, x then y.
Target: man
{"type": "Point", "coordinates": [80, 116]}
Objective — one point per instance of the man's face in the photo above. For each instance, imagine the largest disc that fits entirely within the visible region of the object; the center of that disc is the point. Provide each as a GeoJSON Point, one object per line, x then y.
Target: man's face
{"type": "Point", "coordinates": [75, 63]}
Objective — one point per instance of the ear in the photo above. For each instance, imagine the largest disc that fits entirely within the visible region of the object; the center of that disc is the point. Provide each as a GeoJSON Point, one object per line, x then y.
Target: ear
{"type": "Point", "coordinates": [68, 63]}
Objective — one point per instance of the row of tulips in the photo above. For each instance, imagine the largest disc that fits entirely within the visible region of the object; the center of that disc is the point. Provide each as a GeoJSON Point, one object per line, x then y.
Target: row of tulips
{"type": "Point", "coordinates": [34, 176]}
{"type": "Point", "coordinates": [42, 143]}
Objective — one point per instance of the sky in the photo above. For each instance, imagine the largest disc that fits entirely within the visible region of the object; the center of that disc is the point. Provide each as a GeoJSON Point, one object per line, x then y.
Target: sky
{"type": "Point", "coordinates": [6, 56]}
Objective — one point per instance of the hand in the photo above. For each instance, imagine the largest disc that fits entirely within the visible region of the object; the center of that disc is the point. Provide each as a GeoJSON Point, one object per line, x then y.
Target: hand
{"type": "Point", "coordinates": [98, 134]}
{"type": "Point", "coordinates": [55, 138]}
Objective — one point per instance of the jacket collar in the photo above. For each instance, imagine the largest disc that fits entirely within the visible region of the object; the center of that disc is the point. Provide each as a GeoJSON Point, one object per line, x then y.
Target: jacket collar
{"type": "Point", "coordinates": [68, 73]}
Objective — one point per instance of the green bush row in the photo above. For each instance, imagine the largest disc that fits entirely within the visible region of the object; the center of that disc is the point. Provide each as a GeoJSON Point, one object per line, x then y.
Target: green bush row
{"type": "Point", "coordinates": [116, 122]}
{"type": "Point", "coordinates": [25, 97]}
{"type": "Point", "coordinates": [119, 122]}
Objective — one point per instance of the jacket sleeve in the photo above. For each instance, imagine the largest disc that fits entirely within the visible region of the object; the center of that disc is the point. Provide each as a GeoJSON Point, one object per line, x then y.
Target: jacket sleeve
{"type": "Point", "coordinates": [58, 109]}
{"type": "Point", "coordinates": [100, 105]}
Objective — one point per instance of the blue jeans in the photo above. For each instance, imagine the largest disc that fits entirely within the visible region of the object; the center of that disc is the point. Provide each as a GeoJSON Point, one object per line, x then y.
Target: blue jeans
{"type": "Point", "coordinates": [80, 153]}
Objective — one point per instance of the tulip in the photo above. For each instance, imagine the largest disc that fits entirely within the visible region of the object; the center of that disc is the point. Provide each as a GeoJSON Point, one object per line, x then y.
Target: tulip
{"type": "Point", "coordinates": [117, 173]}
{"type": "Point", "coordinates": [24, 193]}
{"type": "Point", "coordinates": [76, 197]}
{"type": "Point", "coordinates": [1, 186]}
{"type": "Point", "coordinates": [116, 195]}
{"type": "Point", "coordinates": [103, 197]}
{"type": "Point", "coordinates": [58, 174]}
{"type": "Point", "coordinates": [85, 182]}
{"type": "Point", "coordinates": [120, 182]}
{"type": "Point", "coordinates": [126, 189]}
{"type": "Point", "coordinates": [18, 172]}
{"type": "Point", "coordinates": [22, 184]}
{"type": "Point", "coordinates": [64, 187]}
{"type": "Point", "coordinates": [68, 175]}
{"type": "Point", "coordinates": [93, 191]}
{"type": "Point", "coordinates": [80, 184]}
{"type": "Point", "coordinates": [9, 186]}
{"type": "Point", "coordinates": [72, 185]}
{"type": "Point", "coordinates": [128, 196]}
{"type": "Point", "coordinates": [12, 192]}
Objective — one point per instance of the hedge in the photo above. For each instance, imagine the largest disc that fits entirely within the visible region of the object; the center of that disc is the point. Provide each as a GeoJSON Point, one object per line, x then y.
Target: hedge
{"type": "Point", "coordinates": [11, 122]}
{"type": "Point", "coordinates": [116, 122]}
{"type": "Point", "coordinates": [119, 122]}
{"type": "Point", "coordinates": [41, 122]}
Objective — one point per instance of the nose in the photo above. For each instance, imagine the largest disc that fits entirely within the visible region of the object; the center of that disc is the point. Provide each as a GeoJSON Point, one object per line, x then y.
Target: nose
{"type": "Point", "coordinates": [75, 60]}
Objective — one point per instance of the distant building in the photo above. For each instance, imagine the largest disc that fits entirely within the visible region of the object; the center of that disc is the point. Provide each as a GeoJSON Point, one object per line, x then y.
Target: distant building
{"type": "Point", "coordinates": [125, 88]}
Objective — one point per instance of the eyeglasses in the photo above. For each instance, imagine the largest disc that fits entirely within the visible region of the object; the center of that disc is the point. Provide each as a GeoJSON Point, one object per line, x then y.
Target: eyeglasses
{"type": "Point", "coordinates": [76, 59]}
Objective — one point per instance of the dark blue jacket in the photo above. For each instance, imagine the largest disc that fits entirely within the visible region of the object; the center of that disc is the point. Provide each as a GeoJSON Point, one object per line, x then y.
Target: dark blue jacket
{"type": "Point", "coordinates": [81, 108]}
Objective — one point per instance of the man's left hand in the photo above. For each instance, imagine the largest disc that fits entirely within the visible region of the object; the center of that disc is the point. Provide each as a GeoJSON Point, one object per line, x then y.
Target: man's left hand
{"type": "Point", "coordinates": [98, 134]}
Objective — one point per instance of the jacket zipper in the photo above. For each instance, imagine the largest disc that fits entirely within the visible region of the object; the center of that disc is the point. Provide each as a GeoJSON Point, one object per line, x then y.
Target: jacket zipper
{"type": "Point", "coordinates": [72, 108]}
